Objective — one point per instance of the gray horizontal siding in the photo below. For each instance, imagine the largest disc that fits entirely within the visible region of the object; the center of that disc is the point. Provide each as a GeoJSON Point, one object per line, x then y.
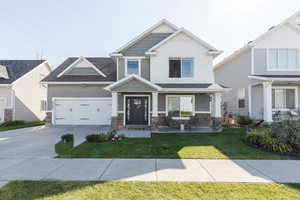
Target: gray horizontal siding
{"type": "Point", "coordinates": [141, 46]}
{"type": "Point", "coordinates": [145, 68]}
{"type": "Point", "coordinates": [75, 91]}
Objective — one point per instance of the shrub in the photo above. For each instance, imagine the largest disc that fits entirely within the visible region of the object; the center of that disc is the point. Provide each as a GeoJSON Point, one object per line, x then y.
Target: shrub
{"type": "Point", "coordinates": [13, 123]}
{"type": "Point", "coordinates": [67, 138]}
{"type": "Point", "coordinates": [244, 120]}
{"type": "Point", "coordinates": [103, 137]}
{"type": "Point", "coordinates": [92, 138]}
{"type": "Point", "coordinates": [262, 139]}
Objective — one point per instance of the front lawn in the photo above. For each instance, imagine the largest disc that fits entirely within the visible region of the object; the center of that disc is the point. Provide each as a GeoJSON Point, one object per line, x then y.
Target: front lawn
{"type": "Point", "coordinates": [225, 145]}
{"type": "Point", "coordinates": [27, 190]}
{"type": "Point", "coordinates": [26, 125]}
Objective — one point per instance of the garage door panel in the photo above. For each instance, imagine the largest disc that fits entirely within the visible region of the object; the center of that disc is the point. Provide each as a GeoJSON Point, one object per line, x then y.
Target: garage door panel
{"type": "Point", "coordinates": [83, 112]}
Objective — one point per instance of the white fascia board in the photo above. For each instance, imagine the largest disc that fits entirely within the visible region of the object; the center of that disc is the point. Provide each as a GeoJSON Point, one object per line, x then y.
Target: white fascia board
{"type": "Point", "coordinates": [77, 83]}
{"type": "Point", "coordinates": [116, 55]}
{"type": "Point", "coordinates": [132, 76]}
{"type": "Point", "coordinates": [192, 90]}
{"type": "Point", "coordinates": [5, 85]}
{"type": "Point", "coordinates": [273, 79]}
{"type": "Point", "coordinates": [182, 30]}
{"type": "Point", "coordinates": [78, 60]}
{"type": "Point", "coordinates": [163, 21]}
{"type": "Point", "coordinates": [28, 73]}
{"type": "Point", "coordinates": [255, 41]}
{"type": "Point", "coordinates": [232, 56]}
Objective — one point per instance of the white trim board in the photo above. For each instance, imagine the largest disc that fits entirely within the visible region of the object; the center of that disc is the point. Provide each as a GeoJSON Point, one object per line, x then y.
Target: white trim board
{"type": "Point", "coordinates": [138, 59]}
{"type": "Point", "coordinates": [128, 78]}
{"type": "Point", "coordinates": [78, 83]}
{"type": "Point", "coordinates": [76, 62]}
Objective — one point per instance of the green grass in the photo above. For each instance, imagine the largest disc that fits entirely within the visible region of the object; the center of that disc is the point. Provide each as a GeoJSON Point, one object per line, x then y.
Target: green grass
{"type": "Point", "coordinates": [225, 145]}
{"type": "Point", "coordinates": [27, 190]}
{"type": "Point", "coordinates": [61, 148]}
{"type": "Point", "coordinates": [26, 125]}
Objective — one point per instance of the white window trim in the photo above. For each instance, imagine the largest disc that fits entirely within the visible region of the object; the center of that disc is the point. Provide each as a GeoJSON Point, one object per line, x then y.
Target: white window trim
{"type": "Point", "coordinates": [180, 78]}
{"type": "Point", "coordinates": [237, 98]}
{"type": "Point", "coordinates": [136, 95]}
{"type": "Point", "coordinates": [296, 97]}
{"type": "Point", "coordinates": [281, 69]}
{"type": "Point", "coordinates": [180, 118]}
{"type": "Point", "coordinates": [139, 59]}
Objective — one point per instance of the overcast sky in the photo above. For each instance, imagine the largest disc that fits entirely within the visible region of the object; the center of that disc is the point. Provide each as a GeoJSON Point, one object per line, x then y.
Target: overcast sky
{"type": "Point", "coordinates": [57, 29]}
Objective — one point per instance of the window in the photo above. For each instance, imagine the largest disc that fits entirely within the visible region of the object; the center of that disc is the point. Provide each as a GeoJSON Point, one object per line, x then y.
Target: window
{"type": "Point", "coordinates": [133, 66]}
{"type": "Point", "coordinates": [241, 98]}
{"type": "Point", "coordinates": [283, 98]}
{"type": "Point", "coordinates": [181, 67]}
{"type": "Point", "coordinates": [180, 106]}
{"type": "Point", "coordinates": [43, 105]}
{"type": "Point", "coordinates": [283, 59]}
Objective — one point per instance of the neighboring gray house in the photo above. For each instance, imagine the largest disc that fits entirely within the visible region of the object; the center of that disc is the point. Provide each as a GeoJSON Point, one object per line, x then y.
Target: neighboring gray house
{"type": "Point", "coordinates": [22, 96]}
{"type": "Point", "coordinates": [164, 72]}
{"type": "Point", "coordinates": [265, 74]}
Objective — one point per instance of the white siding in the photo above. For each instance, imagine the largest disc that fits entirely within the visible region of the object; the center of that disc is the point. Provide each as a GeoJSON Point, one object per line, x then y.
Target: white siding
{"type": "Point", "coordinates": [181, 46]}
{"type": "Point", "coordinates": [29, 93]}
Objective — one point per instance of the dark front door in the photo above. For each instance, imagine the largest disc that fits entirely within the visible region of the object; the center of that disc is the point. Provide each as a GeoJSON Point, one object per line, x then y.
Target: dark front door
{"type": "Point", "coordinates": [137, 110]}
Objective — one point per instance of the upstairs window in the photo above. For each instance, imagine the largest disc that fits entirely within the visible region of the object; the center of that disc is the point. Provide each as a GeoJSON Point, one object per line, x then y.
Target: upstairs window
{"type": "Point", "coordinates": [133, 66]}
{"type": "Point", "coordinates": [283, 59]}
{"type": "Point", "coordinates": [181, 67]}
{"type": "Point", "coordinates": [241, 98]}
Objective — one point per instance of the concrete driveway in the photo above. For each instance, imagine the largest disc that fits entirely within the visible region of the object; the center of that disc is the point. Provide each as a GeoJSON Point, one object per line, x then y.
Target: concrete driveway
{"type": "Point", "coordinates": [39, 141]}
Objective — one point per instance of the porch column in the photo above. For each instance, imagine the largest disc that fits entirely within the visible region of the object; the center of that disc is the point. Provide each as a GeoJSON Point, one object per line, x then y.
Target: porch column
{"type": "Point", "coordinates": [114, 105]}
{"type": "Point", "coordinates": [267, 95]}
{"type": "Point", "coordinates": [217, 100]}
{"type": "Point", "coordinates": [154, 104]}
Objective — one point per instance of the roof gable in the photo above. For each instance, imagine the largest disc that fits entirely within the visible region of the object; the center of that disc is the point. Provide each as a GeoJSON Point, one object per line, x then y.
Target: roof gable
{"type": "Point", "coordinates": [162, 26]}
{"type": "Point", "coordinates": [106, 65]}
{"type": "Point", "coordinates": [133, 83]}
{"type": "Point", "coordinates": [84, 64]}
{"type": "Point", "coordinates": [188, 34]}
{"type": "Point", "coordinates": [18, 68]}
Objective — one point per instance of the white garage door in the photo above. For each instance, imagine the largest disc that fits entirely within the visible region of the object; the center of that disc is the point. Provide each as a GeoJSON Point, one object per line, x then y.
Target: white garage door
{"type": "Point", "coordinates": [82, 111]}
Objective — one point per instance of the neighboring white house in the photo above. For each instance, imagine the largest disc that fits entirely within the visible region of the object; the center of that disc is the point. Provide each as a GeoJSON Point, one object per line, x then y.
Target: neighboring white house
{"type": "Point", "coordinates": [264, 74]}
{"type": "Point", "coordinates": [164, 72]}
{"type": "Point", "coordinates": [22, 96]}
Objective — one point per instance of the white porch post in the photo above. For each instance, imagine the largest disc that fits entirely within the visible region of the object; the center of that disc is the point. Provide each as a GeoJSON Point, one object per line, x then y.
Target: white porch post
{"type": "Point", "coordinates": [217, 100]}
{"type": "Point", "coordinates": [267, 94]}
{"type": "Point", "coordinates": [114, 106]}
{"type": "Point", "coordinates": [154, 104]}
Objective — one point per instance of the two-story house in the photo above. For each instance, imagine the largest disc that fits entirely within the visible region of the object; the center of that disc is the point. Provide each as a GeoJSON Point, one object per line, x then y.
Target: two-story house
{"type": "Point", "coordinates": [164, 73]}
{"type": "Point", "coordinates": [264, 74]}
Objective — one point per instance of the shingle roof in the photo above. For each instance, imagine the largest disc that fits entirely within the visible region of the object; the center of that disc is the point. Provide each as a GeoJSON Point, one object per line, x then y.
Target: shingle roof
{"type": "Point", "coordinates": [184, 85]}
{"type": "Point", "coordinates": [17, 68]}
{"type": "Point", "coordinates": [140, 47]}
{"type": "Point", "coordinates": [105, 65]}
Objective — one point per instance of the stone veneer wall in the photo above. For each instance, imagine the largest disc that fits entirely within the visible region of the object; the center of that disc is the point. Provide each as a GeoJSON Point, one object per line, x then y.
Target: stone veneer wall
{"type": "Point", "coordinates": [117, 122]}
{"type": "Point", "coordinates": [48, 117]}
{"type": "Point", "coordinates": [8, 114]}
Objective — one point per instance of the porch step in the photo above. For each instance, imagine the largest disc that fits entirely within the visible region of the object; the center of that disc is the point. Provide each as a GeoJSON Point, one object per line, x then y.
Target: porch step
{"type": "Point", "coordinates": [137, 127]}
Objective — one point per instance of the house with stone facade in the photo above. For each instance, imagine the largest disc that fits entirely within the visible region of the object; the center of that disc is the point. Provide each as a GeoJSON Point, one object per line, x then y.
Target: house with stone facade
{"type": "Point", "coordinates": [22, 96]}
{"type": "Point", "coordinates": [160, 78]}
{"type": "Point", "coordinates": [264, 74]}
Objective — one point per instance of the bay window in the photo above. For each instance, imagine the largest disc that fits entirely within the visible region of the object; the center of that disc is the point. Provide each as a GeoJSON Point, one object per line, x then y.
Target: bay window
{"type": "Point", "coordinates": [284, 98]}
{"type": "Point", "coordinates": [283, 59]}
{"type": "Point", "coordinates": [180, 107]}
{"type": "Point", "coordinates": [181, 67]}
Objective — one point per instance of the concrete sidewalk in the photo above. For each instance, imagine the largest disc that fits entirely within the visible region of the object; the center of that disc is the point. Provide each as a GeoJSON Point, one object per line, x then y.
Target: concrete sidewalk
{"type": "Point", "coordinates": [284, 171]}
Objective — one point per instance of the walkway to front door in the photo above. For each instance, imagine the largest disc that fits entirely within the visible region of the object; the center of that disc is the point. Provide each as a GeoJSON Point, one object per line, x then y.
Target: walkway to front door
{"type": "Point", "coordinates": [137, 110]}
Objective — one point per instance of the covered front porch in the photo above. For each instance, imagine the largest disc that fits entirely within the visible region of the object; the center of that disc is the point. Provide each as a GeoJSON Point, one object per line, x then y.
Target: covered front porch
{"type": "Point", "coordinates": [277, 98]}
{"type": "Point", "coordinates": [140, 104]}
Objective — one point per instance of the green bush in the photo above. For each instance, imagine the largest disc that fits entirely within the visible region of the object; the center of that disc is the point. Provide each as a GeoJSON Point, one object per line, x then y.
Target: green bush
{"type": "Point", "coordinates": [262, 139]}
{"type": "Point", "coordinates": [92, 138]}
{"type": "Point", "coordinates": [103, 137]}
{"type": "Point", "coordinates": [13, 123]}
{"type": "Point", "coordinates": [244, 120]}
{"type": "Point", "coordinates": [287, 132]}
{"type": "Point", "coordinates": [67, 138]}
